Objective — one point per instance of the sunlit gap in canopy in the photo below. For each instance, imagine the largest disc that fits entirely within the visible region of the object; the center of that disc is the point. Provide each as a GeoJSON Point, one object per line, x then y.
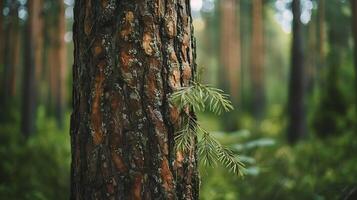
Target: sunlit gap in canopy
{"type": "Point", "coordinates": [198, 7]}
{"type": "Point", "coordinates": [284, 15]}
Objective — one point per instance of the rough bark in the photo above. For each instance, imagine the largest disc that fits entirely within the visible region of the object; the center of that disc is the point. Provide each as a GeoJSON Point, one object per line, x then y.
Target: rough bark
{"type": "Point", "coordinates": [129, 56]}
{"type": "Point", "coordinates": [296, 110]}
{"type": "Point", "coordinates": [32, 65]}
{"type": "Point", "coordinates": [257, 59]}
{"type": "Point", "coordinates": [230, 52]}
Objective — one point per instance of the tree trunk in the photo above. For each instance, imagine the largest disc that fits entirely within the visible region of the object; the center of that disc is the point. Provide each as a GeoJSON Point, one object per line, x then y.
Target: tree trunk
{"type": "Point", "coordinates": [230, 55]}
{"type": "Point", "coordinates": [32, 65]}
{"type": "Point", "coordinates": [57, 62]}
{"type": "Point", "coordinates": [354, 28]}
{"type": "Point", "coordinates": [257, 59]}
{"type": "Point", "coordinates": [129, 56]}
{"type": "Point", "coordinates": [11, 50]}
{"type": "Point", "coordinates": [296, 110]}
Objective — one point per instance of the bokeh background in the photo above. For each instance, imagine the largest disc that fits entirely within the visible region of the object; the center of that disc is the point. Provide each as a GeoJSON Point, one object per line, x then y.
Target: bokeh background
{"type": "Point", "coordinates": [243, 47]}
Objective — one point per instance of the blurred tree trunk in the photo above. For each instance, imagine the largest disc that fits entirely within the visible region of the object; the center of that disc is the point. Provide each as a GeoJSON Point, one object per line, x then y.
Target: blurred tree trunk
{"type": "Point", "coordinates": [296, 110]}
{"type": "Point", "coordinates": [129, 57]}
{"type": "Point", "coordinates": [312, 55]}
{"type": "Point", "coordinates": [257, 59]}
{"type": "Point", "coordinates": [230, 55]}
{"type": "Point", "coordinates": [11, 42]}
{"type": "Point", "coordinates": [57, 61]}
{"type": "Point", "coordinates": [32, 65]}
{"type": "Point", "coordinates": [354, 28]}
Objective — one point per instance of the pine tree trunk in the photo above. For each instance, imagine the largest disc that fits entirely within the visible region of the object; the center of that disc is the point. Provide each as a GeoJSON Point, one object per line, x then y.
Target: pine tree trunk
{"type": "Point", "coordinates": [257, 59]}
{"type": "Point", "coordinates": [296, 110]}
{"type": "Point", "coordinates": [129, 56]}
{"type": "Point", "coordinates": [32, 65]}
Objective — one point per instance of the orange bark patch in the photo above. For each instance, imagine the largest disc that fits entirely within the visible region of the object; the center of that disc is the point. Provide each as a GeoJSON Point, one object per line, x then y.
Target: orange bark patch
{"type": "Point", "coordinates": [127, 27]}
{"type": "Point", "coordinates": [119, 163]}
{"type": "Point", "coordinates": [166, 177]}
{"type": "Point", "coordinates": [125, 60]}
{"type": "Point", "coordinates": [97, 48]}
{"type": "Point", "coordinates": [136, 190]}
{"type": "Point", "coordinates": [87, 18]}
{"type": "Point", "coordinates": [147, 39]}
{"type": "Point", "coordinates": [104, 3]}
{"type": "Point", "coordinates": [174, 114]}
{"type": "Point", "coordinates": [186, 72]}
{"type": "Point", "coordinates": [96, 115]}
{"type": "Point", "coordinates": [175, 78]}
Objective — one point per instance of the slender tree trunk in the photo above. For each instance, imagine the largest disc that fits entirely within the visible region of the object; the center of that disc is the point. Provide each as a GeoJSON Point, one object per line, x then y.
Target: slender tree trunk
{"type": "Point", "coordinates": [257, 59]}
{"type": "Point", "coordinates": [354, 28]}
{"type": "Point", "coordinates": [32, 65]}
{"type": "Point", "coordinates": [230, 55]}
{"type": "Point", "coordinates": [312, 56]}
{"type": "Point", "coordinates": [11, 48]}
{"type": "Point", "coordinates": [129, 56]}
{"type": "Point", "coordinates": [296, 110]}
{"type": "Point", "coordinates": [14, 54]}
{"type": "Point", "coordinates": [57, 62]}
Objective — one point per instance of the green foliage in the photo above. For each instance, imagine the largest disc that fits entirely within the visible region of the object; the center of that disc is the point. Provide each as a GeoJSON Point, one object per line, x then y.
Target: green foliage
{"type": "Point", "coordinates": [38, 168]}
{"type": "Point", "coordinates": [198, 97]}
{"type": "Point", "coordinates": [314, 169]}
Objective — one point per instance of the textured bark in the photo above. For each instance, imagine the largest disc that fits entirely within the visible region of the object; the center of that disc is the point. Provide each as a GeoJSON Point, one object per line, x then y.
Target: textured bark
{"type": "Point", "coordinates": [296, 110]}
{"type": "Point", "coordinates": [354, 28]}
{"type": "Point", "coordinates": [32, 65]}
{"type": "Point", "coordinates": [230, 52]}
{"type": "Point", "coordinates": [129, 56]}
{"type": "Point", "coordinates": [257, 59]}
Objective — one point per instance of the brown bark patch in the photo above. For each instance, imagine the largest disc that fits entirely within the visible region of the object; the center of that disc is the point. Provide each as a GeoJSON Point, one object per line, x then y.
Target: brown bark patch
{"type": "Point", "coordinates": [147, 39]}
{"type": "Point", "coordinates": [88, 18]}
{"type": "Point", "coordinates": [128, 25]}
{"type": "Point", "coordinates": [167, 178]}
{"type": "Point", "coordinates": [119, 163]}
{"type": "Point", "coordinates": [137, 186]}
{"type": "Point", "coordinates": [96, 115]}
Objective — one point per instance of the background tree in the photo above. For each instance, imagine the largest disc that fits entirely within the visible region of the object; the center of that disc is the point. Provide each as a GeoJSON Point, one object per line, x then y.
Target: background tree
{"type": "Point", "coordinates": [32, 65]}
{"type": "Point", "coordinates": [296, 110]}
{"type": "Point", "coordinates": [257, 59]}
{"type": "Point", "coordinates": [129, 57]}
